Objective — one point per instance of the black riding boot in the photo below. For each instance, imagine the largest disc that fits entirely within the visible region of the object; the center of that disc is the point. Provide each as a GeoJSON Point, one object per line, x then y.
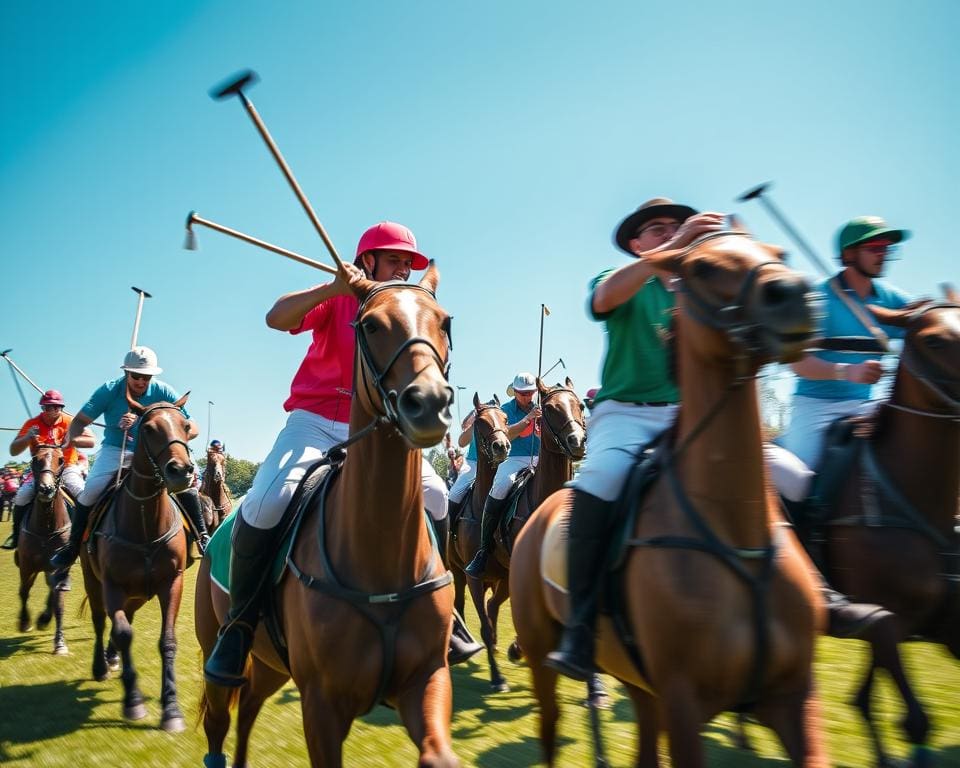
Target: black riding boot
{"type": "Point", "coordinates": [493, 511]}
{"type": "Point", "coordinates": [462, 644]}
{"type": "Point", "coordinates": [253, 550]}
{"type": "Point", "coordinates": [18, 513]}
{"type": "Point", "coordinates": [63, 558]}
{"type": "Point", "coordinates": [590, 521]}
{"type": "Point", "coordinates": [190, 501]}
{"type": "Point", "coordinates": [441, 529]}
{"type": "Point", "coordinates": [846, 619]}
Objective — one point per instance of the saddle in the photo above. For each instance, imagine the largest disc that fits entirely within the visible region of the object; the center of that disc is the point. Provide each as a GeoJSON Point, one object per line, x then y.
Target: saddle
{"type": "Point", "coordinates": [512, 502]}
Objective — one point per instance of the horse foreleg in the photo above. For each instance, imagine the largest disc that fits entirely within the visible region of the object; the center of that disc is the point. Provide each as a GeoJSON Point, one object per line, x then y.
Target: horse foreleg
{"type": "Point", "coordinates": [171, 718]}
{"type": "Point", "coordinates": [478, 588]}
{"type": "Point", "coordinates": [325, 728]}
{"type": "Point", "coordinates": [122, 634]}
{"type": "Point", "coordinates": [98, 618]}
{"type": "Point", "coordinates": [26, 583]}
{"type": "Point", "coordinates": [798, 720]}
{"type": "Point", "coordinates": [648, 726]}
{"type": "Point", "coordinates": [883, 637]}
{"type": "Point", "coordinates": [264, 682]}
{"type": "Point", "coordinates": [55, 605]}
{"type": "Point", "coordinates": [425, 711]}
{"type": "Point", "coordinates": [680, 709]}
{"type": "Point", "coordinates": [459, 591]}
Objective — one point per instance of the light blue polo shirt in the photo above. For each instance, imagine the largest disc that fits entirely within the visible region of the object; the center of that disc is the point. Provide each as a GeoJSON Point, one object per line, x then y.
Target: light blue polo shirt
{"type": "Point", "coordinates": [838, 320]}
{"type": "Point", "coordinates": [520, 446]}
{"type": "Point", "coordinates": [472, 451]}
{"type": "Point", "coordinates": [110, 401]}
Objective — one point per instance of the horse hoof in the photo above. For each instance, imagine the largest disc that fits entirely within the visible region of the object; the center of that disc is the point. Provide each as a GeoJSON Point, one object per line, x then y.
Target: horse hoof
{"type": "Point", "coordinates": [60, 649]}
{"type": "Point", "coordinates": [24, 626]}
{"type": "Point", "coordinates": [500, 686]}
{"type": "Point", "coordinates": [174, 725]}
{"type": "Point", "coordinates": [113, 663]}
{"type": "Point", "coordinates": [514, 653]}
{"type": "Point", "coordinates": [135, 712]}
{"type": "Point", "coordinates": [43, 620]}
{"type": "Point", "coordinates": [598, 701]}
{"type": "Point", "coordinates": [214, 761]}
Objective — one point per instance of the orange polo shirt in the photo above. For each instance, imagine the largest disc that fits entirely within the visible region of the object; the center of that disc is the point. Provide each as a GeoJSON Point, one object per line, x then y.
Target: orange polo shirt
{"type": "Point", "coordinates": [52, 435]}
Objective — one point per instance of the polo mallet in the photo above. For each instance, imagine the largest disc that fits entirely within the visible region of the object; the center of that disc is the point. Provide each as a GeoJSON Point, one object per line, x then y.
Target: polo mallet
{"type": "Point", "coordinates": [141, 295]}
{"type": "Point", "coordinates": [234, 87]}
{"type": "Point", "coordinates": [16, 382]}
{"type": "Point", "coordinates": [761, 195]}
{"type": "Point", "coordinates": [559, 362]}
{"type": "Point", "coordinates": [14, 367]}
{"type": "Point", "coordinates": [191, 241]}
{"type": "Point", "coordinates": [950, 293]}
{"type": "Point", "coordinates": [459, 390]}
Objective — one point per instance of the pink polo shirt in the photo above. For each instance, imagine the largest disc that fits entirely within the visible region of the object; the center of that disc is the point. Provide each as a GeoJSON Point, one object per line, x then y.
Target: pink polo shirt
{"type": "Point", "coordinates": [324, 381]}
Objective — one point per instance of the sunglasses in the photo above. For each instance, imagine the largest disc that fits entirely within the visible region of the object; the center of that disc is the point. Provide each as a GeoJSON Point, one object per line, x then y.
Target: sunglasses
{"type": "Point", "coordinates": [141, 376]}
{"type": "Point", "coordinates": [49, 408]}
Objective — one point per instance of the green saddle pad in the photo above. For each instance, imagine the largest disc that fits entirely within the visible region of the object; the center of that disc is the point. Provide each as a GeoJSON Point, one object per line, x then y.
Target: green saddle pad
{"type": "Point", "coordinates": [218, 550]}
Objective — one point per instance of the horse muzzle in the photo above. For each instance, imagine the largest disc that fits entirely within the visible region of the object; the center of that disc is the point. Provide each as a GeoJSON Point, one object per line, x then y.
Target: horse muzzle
{"type": "Point", "coordinates": [786, 317]}
{"type": "Point", "coordinates": [178, 475]}
{"type": "Point", "coordinates": [423, 412]}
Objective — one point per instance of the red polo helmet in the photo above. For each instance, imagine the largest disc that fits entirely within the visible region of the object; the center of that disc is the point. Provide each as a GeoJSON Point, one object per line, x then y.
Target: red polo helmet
{"type": "Point", "coordinates": [52, 397]}
{"type": "Point", "coordinates": [388, 235]}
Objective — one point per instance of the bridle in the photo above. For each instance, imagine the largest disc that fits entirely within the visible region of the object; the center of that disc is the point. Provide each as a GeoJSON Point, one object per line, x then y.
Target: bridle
{"type": "Point", "coordinates": [485, 445]}
{"type": "Point", "coordinates": [57, 476]}
{"type": "Point", "coordinates": [913, 364]}
{"type": "Point", "coordinates": [368, 371]}
{"type": "Point", "coordinates": [554, 432]}
{"type": "Point", "coordinates": [157, 475]}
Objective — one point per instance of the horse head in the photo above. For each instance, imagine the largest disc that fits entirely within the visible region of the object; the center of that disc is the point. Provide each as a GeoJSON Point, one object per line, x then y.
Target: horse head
{"type": "Point", "coordinates": [746, 304]}
{"type": "Point", "coordinates": [163, 435]}
{"type": "Point", "coordinates": [563, 419]}
{"type": "Point", "coordinates": [929, 374]}
{"type": "Point", "coordinates": [46, 464]}
{"type": "Point", "coordinates": [216, 463]}
{"type": "Point", "coordinates": [490, 428]}
{"type": "Point", "coordinates": [403, 344]}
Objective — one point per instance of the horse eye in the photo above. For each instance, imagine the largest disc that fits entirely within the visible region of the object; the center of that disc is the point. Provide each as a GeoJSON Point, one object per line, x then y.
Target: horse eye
{"type": "Point", "coordinates": [369, 326]}
{"type": "Point", "coordinates": [935, 342]}
{"type": "Point", "coordinates": [703, 270]}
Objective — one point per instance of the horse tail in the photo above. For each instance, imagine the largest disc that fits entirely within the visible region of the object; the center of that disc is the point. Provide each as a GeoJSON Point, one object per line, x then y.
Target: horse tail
{"type": "Point", "coordinates": [232, 694]}
{"type": "Point", "coordinates": [82, 610]}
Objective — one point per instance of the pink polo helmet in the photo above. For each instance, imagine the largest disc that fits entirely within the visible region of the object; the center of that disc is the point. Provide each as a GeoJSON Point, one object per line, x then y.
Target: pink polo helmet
{"type": "Point", "coordinates": [388, 235]}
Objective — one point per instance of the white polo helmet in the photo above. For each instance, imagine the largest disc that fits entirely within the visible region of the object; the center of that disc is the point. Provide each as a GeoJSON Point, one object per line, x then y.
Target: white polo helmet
{"type": "Point", "coordinates": [141, 360]}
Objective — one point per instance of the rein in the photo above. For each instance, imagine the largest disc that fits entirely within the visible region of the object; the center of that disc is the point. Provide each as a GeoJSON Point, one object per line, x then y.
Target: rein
{"type": "Point", "coordinates": [486, 445]}
{"type": "Point", "coordinates": [555, 433]}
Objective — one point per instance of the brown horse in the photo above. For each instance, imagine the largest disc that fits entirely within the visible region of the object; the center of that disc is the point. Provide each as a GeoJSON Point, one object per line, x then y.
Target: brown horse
{"type": "Point", "coordinates": [45, 530]}
{"type": "Point", "coordinates": [891, 536]}
{"type": "Point", "coordinates": [366, 614]}
{"type": "Point", "coordinates": [139, 552]}
{"type": "Point", "coordinates": [490, 432]}
{"type": "Point", "coordinates": [214, 493]}
{"type": "Point", "coordinates": [717, 594]}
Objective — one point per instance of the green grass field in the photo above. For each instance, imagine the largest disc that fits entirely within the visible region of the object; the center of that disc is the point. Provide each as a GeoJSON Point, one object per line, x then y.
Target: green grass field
{"type": "Point", "coordinates": [53, 714]}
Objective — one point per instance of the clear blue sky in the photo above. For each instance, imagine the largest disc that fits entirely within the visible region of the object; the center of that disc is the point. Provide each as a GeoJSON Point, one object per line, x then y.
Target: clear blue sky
{"type": "Point", "coordinates": [510, 136]}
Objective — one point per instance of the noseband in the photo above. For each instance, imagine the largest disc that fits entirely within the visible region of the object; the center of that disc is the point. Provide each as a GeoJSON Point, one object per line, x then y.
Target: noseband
{"type": "Point", "coordinates": [369, 368]}
{"type": "Point", "coordinates": [57, 476]}
{"type": "Point", "coordinates": [555, 433]}
{"type": "Point", "coordinates": [913, 363]}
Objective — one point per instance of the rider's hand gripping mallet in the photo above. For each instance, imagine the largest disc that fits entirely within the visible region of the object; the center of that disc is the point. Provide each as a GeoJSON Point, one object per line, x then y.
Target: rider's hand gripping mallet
{"type": "Point", "coordinates": [760, 194]}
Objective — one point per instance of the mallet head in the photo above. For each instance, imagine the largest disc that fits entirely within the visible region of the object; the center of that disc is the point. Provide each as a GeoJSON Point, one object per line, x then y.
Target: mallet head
{"type": "Point", "coordinates": [190, 242]}
{"type": "Point", "coordinates": [234, 85]}
{"type": "Point", "coordinates": [141, 292]}
{"type": "Point", "coordinates": [754, 193]}
{"type": "Point", "coordinates": [6, 352]}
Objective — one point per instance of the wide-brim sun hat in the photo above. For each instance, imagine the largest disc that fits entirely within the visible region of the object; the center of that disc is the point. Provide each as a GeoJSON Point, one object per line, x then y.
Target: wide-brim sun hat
{"type": "Point", "coordinates": [141, 360]}
{"type": "Point", "coordinates": [522, 382]}
{"type": "Point", "coordinates": [390, 236]}
{"type": "Point", "coordinates": [52, 397]}
{"type": "Point", "coordinates": [864, 228]}
{"type": "Point", "coordinates": [652, 209]}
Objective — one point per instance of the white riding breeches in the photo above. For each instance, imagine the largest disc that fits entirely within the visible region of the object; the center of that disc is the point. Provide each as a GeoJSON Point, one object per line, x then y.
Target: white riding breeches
{"type": "Point", "coordinates": [103, 473]}
{"type": "Point", "coordinates": [459, 489]}
{"type": "Point", "coordinates": [507, 472]}
{"type": "Point", "coordinates": [71, 479]}
{"type": "Point", "coordinates": [618, 431]}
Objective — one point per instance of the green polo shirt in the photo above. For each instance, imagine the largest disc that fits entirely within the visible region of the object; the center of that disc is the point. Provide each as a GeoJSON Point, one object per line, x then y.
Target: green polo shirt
{"type": "Point", "coordinates": [636, 368]}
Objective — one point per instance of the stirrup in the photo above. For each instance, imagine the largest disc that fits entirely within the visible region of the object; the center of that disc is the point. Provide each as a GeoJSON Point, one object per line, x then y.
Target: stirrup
{"type": "Point", "coordinates": [9, 543]}
{"type": "Point", "coordinates": [478, 566]}
{"type": "Point", "coordinates": [226, 671]}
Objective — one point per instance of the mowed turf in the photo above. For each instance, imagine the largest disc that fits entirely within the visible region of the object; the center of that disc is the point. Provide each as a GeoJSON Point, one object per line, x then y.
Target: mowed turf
{"type": "Point", "coordinates": [53, 714]}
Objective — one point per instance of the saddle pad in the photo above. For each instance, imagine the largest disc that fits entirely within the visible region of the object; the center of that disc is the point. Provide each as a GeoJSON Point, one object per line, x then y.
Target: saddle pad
{"type": "Point", "coordinates": [221, 544]}
{"type": "Point", "coordinates": [553, 564]}
{"type": "Point", "coordinates": [514, 495]}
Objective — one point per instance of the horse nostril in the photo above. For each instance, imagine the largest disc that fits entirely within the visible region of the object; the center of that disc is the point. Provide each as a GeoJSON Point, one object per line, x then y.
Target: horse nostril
{"type": "Point", "coordinates": [411, 403]}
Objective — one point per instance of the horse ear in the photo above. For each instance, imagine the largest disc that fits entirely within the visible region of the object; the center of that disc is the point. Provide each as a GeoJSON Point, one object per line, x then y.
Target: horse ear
{"type": "Point", "coordinates": [735, 224]}
{"type": "Point", "coordinates": [541, 387]}
{"type": "Point", "coordinates": [569, 383]}
{"type": "Point", "coordinates": [431, 277]}
{"type": "Point", "coordinates": [476, 400]}
{"type": "Point", "coordinates": [135, 407]}
{"type": "Point", "coordinates": [898, 318]}
{"type": "Point", "coordinates": [668, 261]}
{"type": "Point", "coordinates": [182, 401]}
{"type": "Point", "coordinates": [496, 399]}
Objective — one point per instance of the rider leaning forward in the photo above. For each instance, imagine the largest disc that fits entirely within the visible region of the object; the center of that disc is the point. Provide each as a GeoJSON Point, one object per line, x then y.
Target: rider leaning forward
{"type": "Point", "coordinates": [49, 428]}
{"type": "Point", "coordinates": [319, 407]}
{"type": "Point", "coordinates": [120, 440]}
{"type": "Point", "coordinates": [637, 400]}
